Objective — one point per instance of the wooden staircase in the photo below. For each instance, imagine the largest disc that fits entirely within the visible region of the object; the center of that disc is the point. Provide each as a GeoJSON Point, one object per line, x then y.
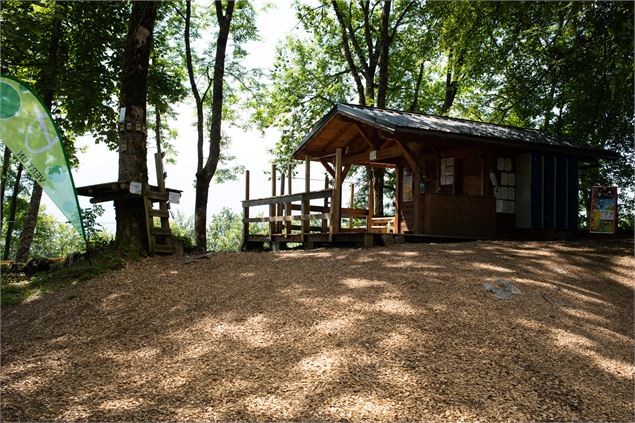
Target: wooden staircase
{"type": "Point", "coordinates": [159, 237]}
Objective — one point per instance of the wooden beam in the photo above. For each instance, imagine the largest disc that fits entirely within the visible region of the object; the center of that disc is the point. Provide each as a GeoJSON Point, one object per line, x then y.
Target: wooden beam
{"type": "Point", "coordinates": [287, 198]}
{"type": "Point", "coordinates": [326, 204]}
{"type": "Point", "coordinates": [351, 205]}
{"type": "Point", "coordinates": [328, 167]}
{"type": "Point", "coordinates": [272, 206]}
{"type": "Point", "coordinates": [410, 157]}
{"type": "Point", "coordinates": [246, 210]}
{"type": "Point", "coordinates": [302, 217]}
{"type": "Point", "coordinates": [371, 204]}
{"type": "Point", "coordinates": [336, 200]}
{"type": "Point", "coordinates": [306, 204]}
{"type": "Point", "coordinates": [384, 153]}
{"type": "Point", "coordinates": [372, 145]}
{"type": "Point", "coordinates": [345, 171]}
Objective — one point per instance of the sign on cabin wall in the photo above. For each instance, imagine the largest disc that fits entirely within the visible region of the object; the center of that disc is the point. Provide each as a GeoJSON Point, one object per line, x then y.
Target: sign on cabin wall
{"type": "Point", "coordinates": [407, 184]}
{"type": "Point", "coordinates": [603, 219]}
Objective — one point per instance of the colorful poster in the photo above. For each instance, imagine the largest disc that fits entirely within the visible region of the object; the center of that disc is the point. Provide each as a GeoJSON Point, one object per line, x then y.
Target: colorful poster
{"type": "Point", "coordinates": [26, 127]}
{"type": "Point", "coordinates": [603, 217]}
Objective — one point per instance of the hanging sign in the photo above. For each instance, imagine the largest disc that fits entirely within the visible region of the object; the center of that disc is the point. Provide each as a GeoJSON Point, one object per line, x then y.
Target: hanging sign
{"type": "Point", "coordinates": [603, 219]}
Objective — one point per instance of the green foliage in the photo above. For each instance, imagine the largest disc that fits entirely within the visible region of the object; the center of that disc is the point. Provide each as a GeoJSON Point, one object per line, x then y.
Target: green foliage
{"type": "Point", "coordinates": [224, 232]}
{"type": "Point", "coordinates": [183, 231]}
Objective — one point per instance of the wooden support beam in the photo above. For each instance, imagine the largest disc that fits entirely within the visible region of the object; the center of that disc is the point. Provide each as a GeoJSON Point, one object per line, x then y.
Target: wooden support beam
{"type": "Point", "coordinates": [382, 154]}
{"type": "Point", "coordinates": [287, 229]}
{"type": "Point", "coordinates": [272, 206]}
{"type": "Point", "coordinates": [345, 171]}
{"type": "Point", "coordinates": [326, 204]}
{"type": "Point", "coordinates": [328, 167]}
{"type": "Point", "coordinates": [306, 204]}
{"type": "Point", "coordinates": [371, 204]}
{"type": "Point", "coordinates": [351, 206]}
{"type": "Point", "coordinates": [336, 200]}
{"type": "Point", "coordinates": [287, 198]}
{"type": "Point", "coordinates": [246, 211]}
{"type": "Point", "coordinates": [409, 156]}
{"type": "Point", "coordinates": [360, 130]}
{"type": "Point", "coordinates": [398, 198]}
{"type": "Point", "coordinates": [302, 217]}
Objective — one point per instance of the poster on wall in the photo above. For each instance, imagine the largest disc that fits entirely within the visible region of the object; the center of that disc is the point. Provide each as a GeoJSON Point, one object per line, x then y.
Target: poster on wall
{"type": "Point", "coordinates": [603, 218]}
{"type": "Point", "coordinates": [407, 184]}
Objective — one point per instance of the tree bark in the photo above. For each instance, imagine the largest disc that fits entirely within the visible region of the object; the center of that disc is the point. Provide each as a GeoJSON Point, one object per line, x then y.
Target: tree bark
{"type": "Point", "coordinates": [49, 86]}
{"type": "Point", "coordinates": [12, 211]}
{"type": "Point", "coordinates": [3, 180]}
{"type": "Point", "coordinates": [205, 174]}
{"type": "Point", "coordinates": [131, 237]}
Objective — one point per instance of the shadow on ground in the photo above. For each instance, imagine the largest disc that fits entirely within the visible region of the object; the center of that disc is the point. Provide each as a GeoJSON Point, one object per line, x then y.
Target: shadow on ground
{"type": "Point", "coordinates": [399, 333]}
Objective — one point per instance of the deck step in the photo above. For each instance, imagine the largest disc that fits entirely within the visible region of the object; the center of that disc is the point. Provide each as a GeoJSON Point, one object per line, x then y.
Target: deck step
{"type": "Point", "coordinates": [161, 196]}
{"type": "Point", "coordinates": [161, 231]}
{"type": "Point", "coordinates": [159, 213]}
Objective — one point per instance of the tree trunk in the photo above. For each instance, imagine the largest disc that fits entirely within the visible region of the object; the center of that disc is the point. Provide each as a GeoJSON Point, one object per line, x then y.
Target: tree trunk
{"type": "Point", "coordinates": [204, 176]}
{"type": "Point", "coordinates": [200, 212]}
{"type": "Point", "coordinates": [12, 210]}
{"type": "Point", "coordinates": [3, 180]}
{"type": "Point", "coordinates": [130, 214]}
{"type": "Point", "coordinates": [49, 85]}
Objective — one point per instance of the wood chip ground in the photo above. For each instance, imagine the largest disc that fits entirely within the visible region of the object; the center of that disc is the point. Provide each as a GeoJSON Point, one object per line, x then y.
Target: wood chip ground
{"type": "Point", "coordinates": [400, 333]}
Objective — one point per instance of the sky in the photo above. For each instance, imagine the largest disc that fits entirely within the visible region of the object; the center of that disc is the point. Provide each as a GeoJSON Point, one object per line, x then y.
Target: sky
{"type": "Point", "coordinates": [99, 165]}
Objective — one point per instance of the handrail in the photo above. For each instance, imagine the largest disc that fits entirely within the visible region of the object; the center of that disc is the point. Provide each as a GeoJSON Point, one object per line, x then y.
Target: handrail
{"type": "Point", "coordinates": [280, 199]}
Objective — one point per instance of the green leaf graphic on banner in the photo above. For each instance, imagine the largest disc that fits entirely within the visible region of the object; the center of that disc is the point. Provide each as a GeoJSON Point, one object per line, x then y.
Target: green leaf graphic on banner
{"type": "Point", "coordinates": [27, 129]}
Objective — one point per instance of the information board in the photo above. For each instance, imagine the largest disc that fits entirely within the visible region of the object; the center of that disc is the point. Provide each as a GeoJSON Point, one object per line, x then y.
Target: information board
{"type": "Point", "coordinates": [603, 217]}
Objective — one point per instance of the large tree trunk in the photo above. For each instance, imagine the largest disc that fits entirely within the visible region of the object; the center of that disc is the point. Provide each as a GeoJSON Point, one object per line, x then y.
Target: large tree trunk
{"type": "Point", "coordinates": [204, 175]}
{"type": "Point", "coordinates": [12, 211]}
{"type": "Point", "coordinates": [131, 235]}
{"type": "Point", "coordinates": [49, 85]}
{"type": "Point", "coordinates": [200, 212]}
{"type": "Point", "coordinates": [3, 180]}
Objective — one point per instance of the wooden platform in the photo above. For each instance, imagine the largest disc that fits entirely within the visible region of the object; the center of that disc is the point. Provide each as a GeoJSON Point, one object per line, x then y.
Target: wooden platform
{"type": "Point", "coordinates": [278, 242]}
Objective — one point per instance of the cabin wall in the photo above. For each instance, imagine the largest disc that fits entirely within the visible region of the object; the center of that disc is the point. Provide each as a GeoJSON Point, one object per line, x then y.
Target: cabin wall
{"type": "Point", "coordinates": [547, 191]}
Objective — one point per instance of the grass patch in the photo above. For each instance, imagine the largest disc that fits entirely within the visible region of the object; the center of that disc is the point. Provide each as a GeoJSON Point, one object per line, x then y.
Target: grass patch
{"type": "Point", "coordinates": [18, 288]}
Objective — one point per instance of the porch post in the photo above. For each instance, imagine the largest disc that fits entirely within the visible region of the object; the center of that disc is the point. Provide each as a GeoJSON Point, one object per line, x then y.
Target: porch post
{"type": "Point", "coordinates": [272, 206]}
{"type": "Point", "coordinates": [336, 201]}
{"type": "Point", "coordinates": [371, 203]}
{"type": "Point", "coordinates": [306, 204]}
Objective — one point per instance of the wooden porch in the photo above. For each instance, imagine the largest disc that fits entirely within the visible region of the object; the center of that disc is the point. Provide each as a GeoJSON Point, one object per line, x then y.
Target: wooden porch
{"type": "Point", "coordinates": [311, 218]}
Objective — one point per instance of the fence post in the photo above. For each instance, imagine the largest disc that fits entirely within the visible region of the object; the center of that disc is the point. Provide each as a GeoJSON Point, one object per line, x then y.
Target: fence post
{"type": "Point", "coordinates": [246, 212]}
{"type": "Point", "coordinates": [336, 201]}
{"type": "Point", "coordinates": [326, 204]}
{"type": "Point", "coordinates": [272, 206]}
{"type": "Point", "coordinates": [306, 204]}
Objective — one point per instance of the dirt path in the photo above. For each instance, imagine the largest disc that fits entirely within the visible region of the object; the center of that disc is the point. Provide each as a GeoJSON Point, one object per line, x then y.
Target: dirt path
{"type": "Point", "coordinates": [399, 333]}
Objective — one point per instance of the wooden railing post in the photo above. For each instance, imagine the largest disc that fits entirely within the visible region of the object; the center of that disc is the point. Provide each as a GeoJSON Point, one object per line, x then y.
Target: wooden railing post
{"type": "Point", "coordinates": [326, 205]}
{"type": "Point", "coordinates": [305, 208]}
{"type": "Point", "coordinates": [336, 201]}
{"type": "Point", "coordinates": [371, 204]}
{"type": "Point", "coordinates": [281, 205]}
{"type": "Point", "coordinates": [352, 206]}
{"type": "Point", "coordinates": [289, 189]}
{"type": "Point", "coordinates": [246, 212]}
{"type": "Point", "coordinates": [272, 206]}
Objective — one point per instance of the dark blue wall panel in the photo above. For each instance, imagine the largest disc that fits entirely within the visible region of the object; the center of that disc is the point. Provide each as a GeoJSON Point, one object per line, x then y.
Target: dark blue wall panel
{"type": "Point", "coordinates": [561, 192]}
{"type": "Point", "coordinates": [536, 190]}
{"type": "Point", "coordinates": [548, 207]}
{"type": "Point", "coordinates": [572, 193]}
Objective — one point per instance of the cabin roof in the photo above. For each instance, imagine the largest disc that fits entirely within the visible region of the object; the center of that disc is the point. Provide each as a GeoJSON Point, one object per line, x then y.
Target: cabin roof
{"type": "Point", "coordinates": [399, 122]}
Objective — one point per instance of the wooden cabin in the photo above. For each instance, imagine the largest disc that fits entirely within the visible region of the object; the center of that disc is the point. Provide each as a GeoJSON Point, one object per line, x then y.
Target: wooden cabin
{"type": "Point", "coordinates": [455, 178]}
